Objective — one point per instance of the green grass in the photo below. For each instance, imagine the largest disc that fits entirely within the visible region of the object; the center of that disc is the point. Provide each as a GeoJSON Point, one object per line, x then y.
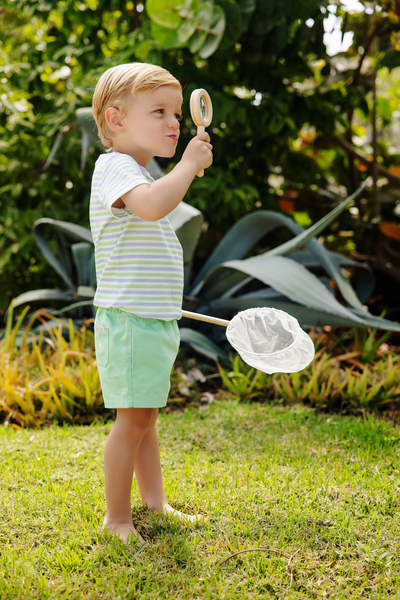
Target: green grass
{"type": "Point", "coordinates": [323, 487]}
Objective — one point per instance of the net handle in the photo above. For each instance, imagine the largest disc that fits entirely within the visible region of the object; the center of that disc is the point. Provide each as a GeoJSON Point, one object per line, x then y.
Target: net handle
{"type": "Point", "coordinates": [205, 318]}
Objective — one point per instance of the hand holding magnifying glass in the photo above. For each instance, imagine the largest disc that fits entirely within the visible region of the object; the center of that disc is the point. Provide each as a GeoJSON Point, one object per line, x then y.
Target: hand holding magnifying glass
{"type": "Point", "coordinates": [201, 111]}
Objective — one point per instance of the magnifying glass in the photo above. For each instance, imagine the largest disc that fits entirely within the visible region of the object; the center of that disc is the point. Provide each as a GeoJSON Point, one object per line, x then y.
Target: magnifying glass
{"type": "Point", "coordinates": [201, 111]}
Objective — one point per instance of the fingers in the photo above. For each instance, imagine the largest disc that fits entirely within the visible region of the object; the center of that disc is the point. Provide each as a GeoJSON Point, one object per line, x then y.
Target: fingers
{"type": "Point", "coordinates": [199, 151]}
{"type": "Point", "coordinates": [204, 137]}
{"type": "Point", "coordinates": [206, 142]}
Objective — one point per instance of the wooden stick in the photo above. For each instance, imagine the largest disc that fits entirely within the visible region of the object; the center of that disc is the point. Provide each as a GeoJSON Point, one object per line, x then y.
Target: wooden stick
{"type": "Point", "coordinates": [200, 129]}
{"type": "Point", "coordinates": [205, 318]}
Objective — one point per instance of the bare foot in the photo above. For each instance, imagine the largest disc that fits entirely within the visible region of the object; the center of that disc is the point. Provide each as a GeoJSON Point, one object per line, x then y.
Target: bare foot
{"type": "Point", "coordinates": [123, 530]}
{"type": "Point", "coordinates": [167, 509]}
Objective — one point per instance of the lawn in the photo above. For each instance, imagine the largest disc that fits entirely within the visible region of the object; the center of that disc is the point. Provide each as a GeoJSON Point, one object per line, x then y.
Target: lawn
{"type": "Point", "coordinates": [321, 491]}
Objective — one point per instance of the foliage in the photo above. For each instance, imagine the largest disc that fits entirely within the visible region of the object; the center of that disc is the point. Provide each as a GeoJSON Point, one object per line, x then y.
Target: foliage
{"type": "Point", "coordinates": [47, 377]}
{"type": "Point", "coordinates": [264, 64]}
{"type": "Point", "coordinates": [228, 281]}
{"type": "Point", "coordinates": [50, 373]}
{"type": "Point", "coordinates": [80, 280]}
{"type": "Point", "coordinates": [361, 375]}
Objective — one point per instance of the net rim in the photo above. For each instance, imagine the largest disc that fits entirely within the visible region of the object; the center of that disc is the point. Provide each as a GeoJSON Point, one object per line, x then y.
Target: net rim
{"type": "Point", "coordinates": [274, 310]}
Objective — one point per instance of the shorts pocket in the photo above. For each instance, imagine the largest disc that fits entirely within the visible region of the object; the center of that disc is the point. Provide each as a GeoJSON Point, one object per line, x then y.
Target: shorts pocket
{"type": "Point", "coordinates": [101, 340]}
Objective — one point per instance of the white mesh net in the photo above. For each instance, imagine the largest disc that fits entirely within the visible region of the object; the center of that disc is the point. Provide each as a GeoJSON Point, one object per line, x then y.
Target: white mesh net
{"type": "Point", "coordinates": [270, 340]}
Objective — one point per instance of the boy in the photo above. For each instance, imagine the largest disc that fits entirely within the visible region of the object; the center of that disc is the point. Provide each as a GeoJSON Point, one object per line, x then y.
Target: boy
{"type": "Point", "coordinates": [139, 269]}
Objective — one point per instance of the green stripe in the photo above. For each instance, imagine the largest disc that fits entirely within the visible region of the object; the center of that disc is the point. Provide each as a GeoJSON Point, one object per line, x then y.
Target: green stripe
{"type": "Point", "coordinates": [157, 252]}
{"type": "Point", "coordinates": [115, 250]}
{"type": "Point", "coordinates": [148, 238]}
{"type": "Point", "coordinates": [149, 263]}
{"type": "Point", "coordinates": [169, 275]}
{"type": "Point", "coordinates": [148, 225]}
{"type": "Point", "coordinates": [133, 286]}
{"type": "Point", "coordinates": [172, 300]}
{"type": "Point", "coordinates": [173, 246]}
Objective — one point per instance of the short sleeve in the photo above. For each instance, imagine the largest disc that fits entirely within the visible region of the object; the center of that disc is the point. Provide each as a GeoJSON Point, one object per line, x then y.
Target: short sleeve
{"type": "Point", "coordinates": [120, 174]}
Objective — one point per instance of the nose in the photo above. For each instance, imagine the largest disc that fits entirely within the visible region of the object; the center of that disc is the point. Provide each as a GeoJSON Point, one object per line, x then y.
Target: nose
{"type": "Point", "coordinates": [174, 124]}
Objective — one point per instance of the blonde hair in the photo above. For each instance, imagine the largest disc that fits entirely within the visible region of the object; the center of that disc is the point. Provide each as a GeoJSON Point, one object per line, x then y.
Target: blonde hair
{"type": "Point", "coordinates": [119, 84]}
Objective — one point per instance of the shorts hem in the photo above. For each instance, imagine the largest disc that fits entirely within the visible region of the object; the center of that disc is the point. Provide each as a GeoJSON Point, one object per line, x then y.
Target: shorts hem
{"type": "Point", "coordinates": [149, 404]}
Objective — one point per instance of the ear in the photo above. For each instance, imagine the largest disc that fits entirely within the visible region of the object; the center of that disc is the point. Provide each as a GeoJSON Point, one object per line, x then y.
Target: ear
{"type": "Point", "coordinates": [114, 120]}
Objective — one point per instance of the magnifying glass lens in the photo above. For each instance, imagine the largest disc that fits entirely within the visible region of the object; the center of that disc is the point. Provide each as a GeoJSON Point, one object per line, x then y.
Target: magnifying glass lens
{"type": "Point", "coordinates": [203, 108]}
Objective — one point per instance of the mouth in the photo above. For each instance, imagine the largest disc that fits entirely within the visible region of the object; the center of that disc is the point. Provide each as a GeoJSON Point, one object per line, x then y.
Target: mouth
{"type": "Point", "coordinates": [173, 137]}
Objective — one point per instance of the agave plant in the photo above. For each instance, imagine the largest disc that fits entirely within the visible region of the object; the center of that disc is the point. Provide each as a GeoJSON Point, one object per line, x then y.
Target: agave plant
{"type": "Point", "coordinates": [279, 278]}
{"type": "Point", "coordinates": [231, 280]}
{"type": "Point", "coordinates": [75, 265]}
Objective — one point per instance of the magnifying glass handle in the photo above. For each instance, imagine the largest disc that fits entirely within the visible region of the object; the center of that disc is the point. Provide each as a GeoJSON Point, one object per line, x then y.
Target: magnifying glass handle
{"type": "Point", "coordinates": [200, 129]}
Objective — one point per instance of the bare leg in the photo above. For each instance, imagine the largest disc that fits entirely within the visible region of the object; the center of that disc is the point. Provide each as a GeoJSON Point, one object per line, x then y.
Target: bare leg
{"type": "Point", "coordinates": [149, 476]}
{"type": "Point", "coordinates": [120, 453]}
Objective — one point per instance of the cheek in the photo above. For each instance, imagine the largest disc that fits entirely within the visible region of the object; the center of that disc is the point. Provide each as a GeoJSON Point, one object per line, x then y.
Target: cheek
{"type": "Point", "coordinates": [156, 126]}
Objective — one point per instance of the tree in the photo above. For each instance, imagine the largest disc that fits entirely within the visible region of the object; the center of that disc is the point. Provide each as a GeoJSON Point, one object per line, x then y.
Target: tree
{"type": "Point", "coordinates": [276, 109]}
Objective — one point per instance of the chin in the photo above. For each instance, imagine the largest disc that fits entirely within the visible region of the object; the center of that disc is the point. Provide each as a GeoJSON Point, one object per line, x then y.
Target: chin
{"type": "Point", "coordinates": [169, 154]}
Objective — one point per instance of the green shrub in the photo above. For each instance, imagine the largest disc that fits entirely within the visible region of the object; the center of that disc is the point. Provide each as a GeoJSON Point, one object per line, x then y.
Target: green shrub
{"type": "Point", "coordinates": [365, 375]}
{"type": "Point", "coordinates": [51, 374]}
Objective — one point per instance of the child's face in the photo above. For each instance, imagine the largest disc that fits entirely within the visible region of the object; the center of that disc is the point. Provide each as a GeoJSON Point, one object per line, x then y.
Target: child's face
{"type": "Point", "coordinates": [151, 125]}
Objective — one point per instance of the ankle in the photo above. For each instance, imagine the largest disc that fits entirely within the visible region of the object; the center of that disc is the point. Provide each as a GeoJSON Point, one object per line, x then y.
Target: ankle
{"type": "Point", "coordinates": [117, 520]}
{"type": "Point", "coordinates": [157, 506]}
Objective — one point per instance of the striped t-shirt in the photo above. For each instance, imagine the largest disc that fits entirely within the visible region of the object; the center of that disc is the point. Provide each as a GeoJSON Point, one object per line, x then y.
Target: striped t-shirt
{"type": "Point", "coordinates": [139, 264]}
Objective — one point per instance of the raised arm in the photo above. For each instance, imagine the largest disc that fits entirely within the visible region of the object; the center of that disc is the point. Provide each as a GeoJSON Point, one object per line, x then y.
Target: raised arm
{"type": "Point", "coordinates": [156, 200]}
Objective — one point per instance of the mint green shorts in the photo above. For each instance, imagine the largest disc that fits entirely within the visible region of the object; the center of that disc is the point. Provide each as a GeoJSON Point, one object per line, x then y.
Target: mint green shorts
{"type": "Point", "coordinates": [134, 358]}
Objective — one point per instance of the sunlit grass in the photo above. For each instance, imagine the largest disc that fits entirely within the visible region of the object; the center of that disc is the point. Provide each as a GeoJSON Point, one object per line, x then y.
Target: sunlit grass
{"type": "Point", "coordinates": [321, 490]}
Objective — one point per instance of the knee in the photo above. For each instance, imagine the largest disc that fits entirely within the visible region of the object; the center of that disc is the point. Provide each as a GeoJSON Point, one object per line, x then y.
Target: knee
{"type": "Point", "coordinates": [136, 420]}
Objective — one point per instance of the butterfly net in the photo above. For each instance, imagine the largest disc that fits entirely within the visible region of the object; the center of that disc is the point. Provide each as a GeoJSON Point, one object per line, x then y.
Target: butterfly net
{"type": "Point", "coordinates": [270, 340]}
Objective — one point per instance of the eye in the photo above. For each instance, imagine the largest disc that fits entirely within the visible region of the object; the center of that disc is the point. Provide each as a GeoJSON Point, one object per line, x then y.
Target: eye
{"type": "Point", "coordinates": [160, 110]}
{"type": "Point", "coordinates": [179, 117]}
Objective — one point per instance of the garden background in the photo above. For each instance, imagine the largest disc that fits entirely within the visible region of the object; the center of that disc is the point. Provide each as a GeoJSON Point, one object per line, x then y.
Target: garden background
{"type": "Point", "coordinates": [298, 474]}
{"type": "Point", "coordinates": [294, 130]}
{"type": "Point", "coordinates": [305, 99]}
